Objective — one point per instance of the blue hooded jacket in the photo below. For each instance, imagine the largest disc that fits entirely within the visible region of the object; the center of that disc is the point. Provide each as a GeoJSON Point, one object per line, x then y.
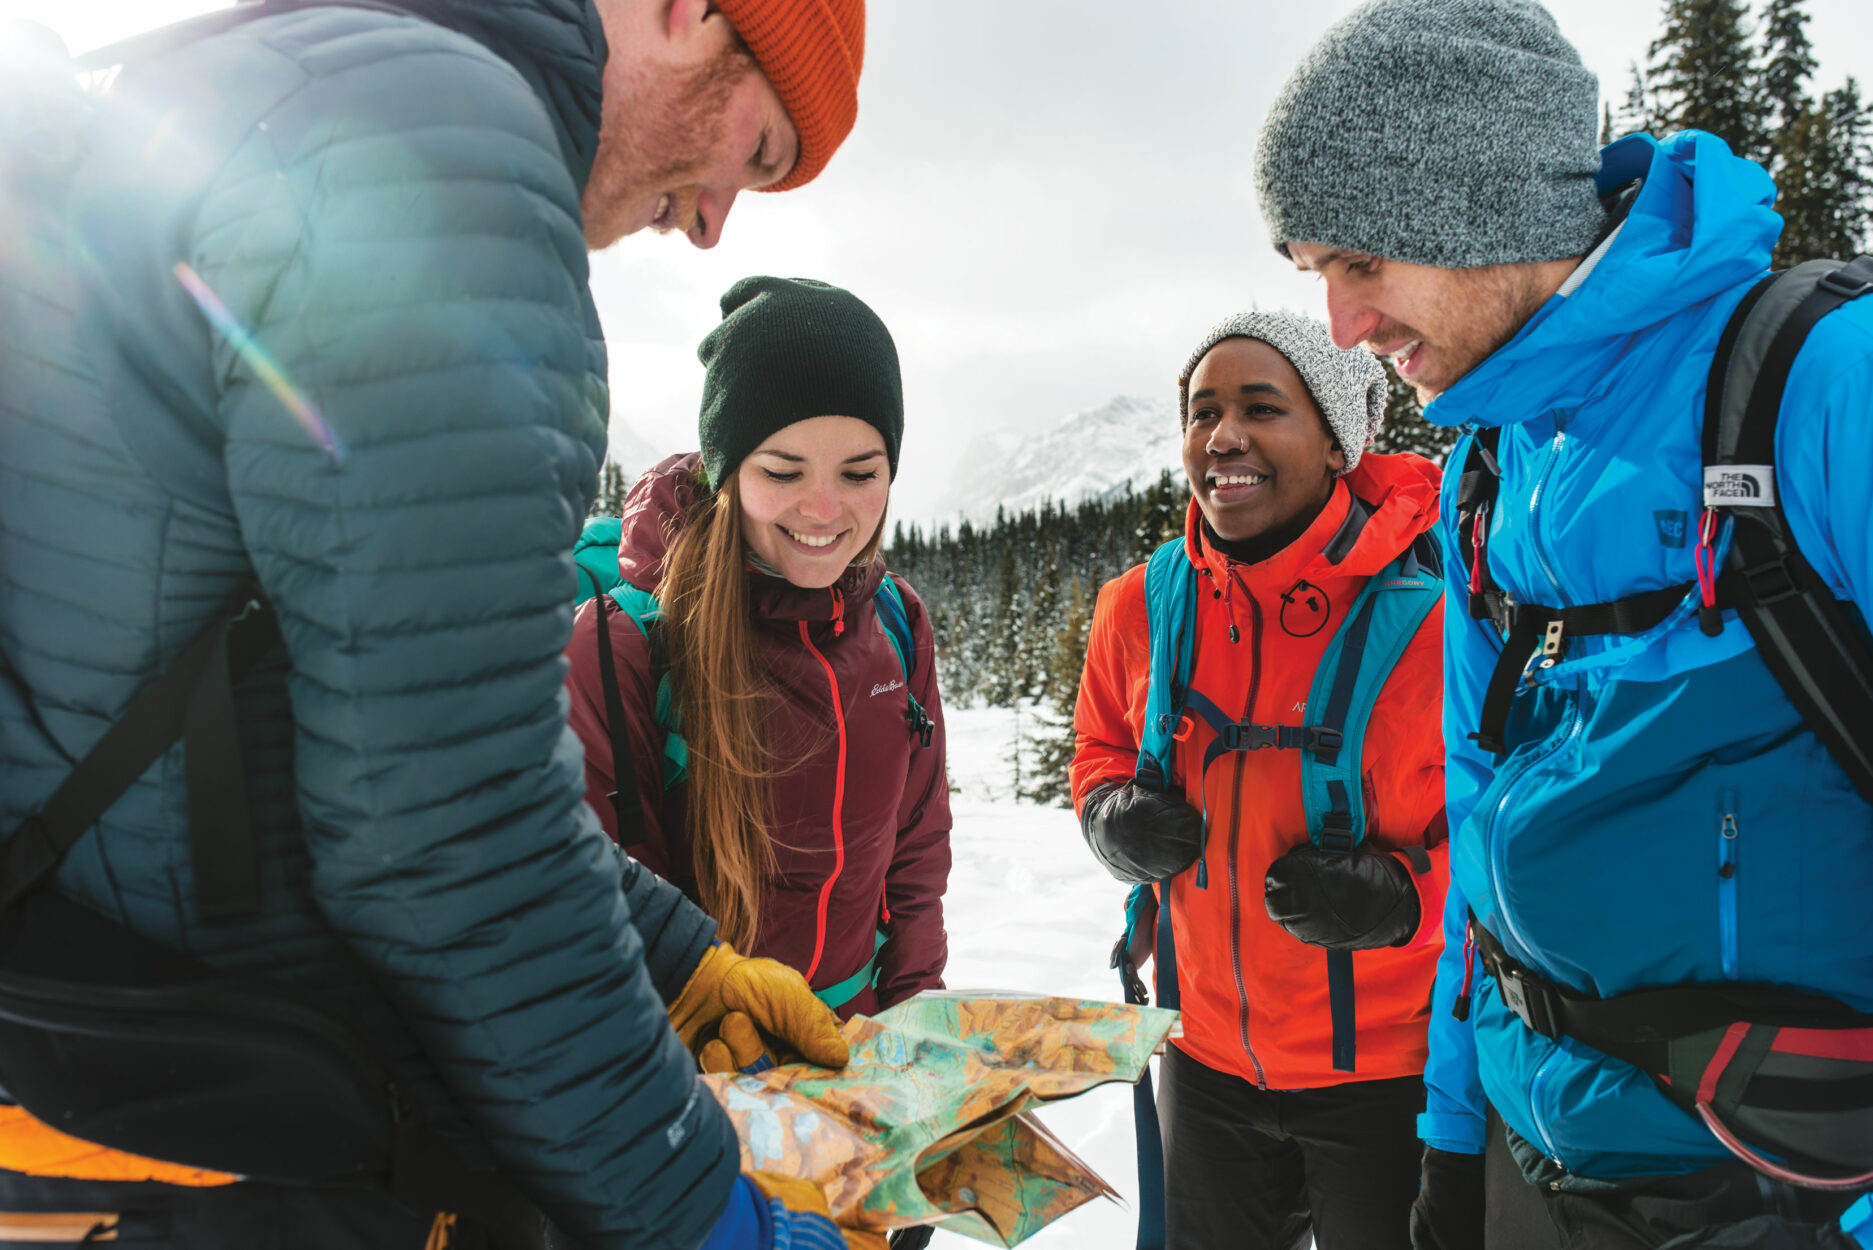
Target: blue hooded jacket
{"type": "Point", "coordinates": [1593, 848]}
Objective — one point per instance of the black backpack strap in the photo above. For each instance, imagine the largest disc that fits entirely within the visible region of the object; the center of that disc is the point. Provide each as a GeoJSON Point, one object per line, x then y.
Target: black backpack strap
{"type": "Point", "coordinates": [190, 701]}
{"type": "Point", "coordinates": [626, 804]}
{"type": "Point", "coordinates": [1808, 639]}
{"type": "Point", "coordinates": [1538, 638]}
{"type": "Point", "coordinates": [1477, 487]}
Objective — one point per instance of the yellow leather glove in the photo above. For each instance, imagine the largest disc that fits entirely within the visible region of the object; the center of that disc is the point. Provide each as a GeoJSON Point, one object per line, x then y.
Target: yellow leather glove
{"type": "Point", "coordinates": [734, 1010]}
{"type": "Point", "coordinates": [805, 1198]}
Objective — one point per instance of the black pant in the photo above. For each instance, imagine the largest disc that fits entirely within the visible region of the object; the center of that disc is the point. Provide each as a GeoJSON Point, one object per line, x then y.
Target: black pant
{"type": "Point", "coordinates": [1252, 1169]}
{"type": "Point", "coordinates": [245, 1216]}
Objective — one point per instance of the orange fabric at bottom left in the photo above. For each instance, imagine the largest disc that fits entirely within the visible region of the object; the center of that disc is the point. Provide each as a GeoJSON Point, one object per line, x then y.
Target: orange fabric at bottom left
{"type": "Point", "coordinates": [37, 1149]}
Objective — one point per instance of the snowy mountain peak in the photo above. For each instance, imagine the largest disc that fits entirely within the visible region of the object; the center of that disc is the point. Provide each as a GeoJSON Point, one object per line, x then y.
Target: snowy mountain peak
{"type": "Point", "coordinates": [1094, 452]}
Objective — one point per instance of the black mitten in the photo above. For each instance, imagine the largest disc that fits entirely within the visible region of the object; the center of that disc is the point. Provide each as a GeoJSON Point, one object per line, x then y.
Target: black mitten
{"type": "Point", "coordinates": [1138, 834]}
{"type": "Point", "coordinates": [1448, 1213]}
{"type": "Point", "coordinates": [1347, 902]}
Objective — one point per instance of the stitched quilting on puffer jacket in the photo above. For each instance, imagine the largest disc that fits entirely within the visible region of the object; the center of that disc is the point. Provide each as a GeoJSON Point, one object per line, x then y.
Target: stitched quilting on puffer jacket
{"type": "Point", "coordinates": [391, 209]}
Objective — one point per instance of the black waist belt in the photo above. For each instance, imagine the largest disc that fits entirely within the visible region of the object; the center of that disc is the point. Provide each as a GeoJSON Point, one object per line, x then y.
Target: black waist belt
{"type": "Point", "coordinates": [1640, 1026]}
{"type": "Point", "coordinates": [1783, 1079]}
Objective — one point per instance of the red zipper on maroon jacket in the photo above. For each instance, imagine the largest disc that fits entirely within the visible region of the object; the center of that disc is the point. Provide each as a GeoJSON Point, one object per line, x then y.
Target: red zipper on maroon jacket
{"type": "Point", "coordinates": [838, 792]}
{"type": "Point", "coordinates": [1235, 831]}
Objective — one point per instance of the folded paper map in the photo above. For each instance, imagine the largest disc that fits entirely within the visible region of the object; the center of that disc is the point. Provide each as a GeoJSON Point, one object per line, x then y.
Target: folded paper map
{"type": "Point", "coordinates": [928, 1123]}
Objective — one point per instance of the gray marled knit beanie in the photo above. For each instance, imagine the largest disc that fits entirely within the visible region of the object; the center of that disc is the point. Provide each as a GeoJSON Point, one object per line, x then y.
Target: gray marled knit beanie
{"type": "Point", "coordinates": [1452, 133]}
{"type": "Point", "coordinates": [1348, 386]}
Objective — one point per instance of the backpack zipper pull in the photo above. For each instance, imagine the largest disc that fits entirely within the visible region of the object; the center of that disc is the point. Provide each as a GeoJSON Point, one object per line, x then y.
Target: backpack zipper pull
{"type": "Point", "coordinates": [1709, 615]}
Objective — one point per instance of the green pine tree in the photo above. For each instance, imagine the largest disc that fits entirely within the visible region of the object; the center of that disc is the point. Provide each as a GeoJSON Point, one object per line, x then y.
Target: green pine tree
{"type": "Point", "coordinates": [1788, 61]}
{"type": "Point", "coordinates": [1405, 428]}
{"type": "Point", "coordinates": [612, 487]}
{"type": "Point", "coordinates": [1824, 175]}
{"type": "Point", "coordinates": [1703, 76]}
{"type": "Point", "coordinates": [1053, 740]}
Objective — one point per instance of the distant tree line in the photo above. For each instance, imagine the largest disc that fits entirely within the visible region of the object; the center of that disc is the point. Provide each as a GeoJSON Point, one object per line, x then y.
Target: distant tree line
{"type": "Point", "coordinates": [1712, 69]}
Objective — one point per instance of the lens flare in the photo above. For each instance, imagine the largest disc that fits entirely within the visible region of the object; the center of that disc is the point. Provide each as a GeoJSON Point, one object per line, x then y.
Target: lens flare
{"type": "Point", "coordinates": [222, 319]}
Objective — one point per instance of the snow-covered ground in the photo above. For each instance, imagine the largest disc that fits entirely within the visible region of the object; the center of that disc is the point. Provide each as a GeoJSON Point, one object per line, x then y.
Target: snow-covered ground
{"type": "Point", "coordinates": [1029, 909]}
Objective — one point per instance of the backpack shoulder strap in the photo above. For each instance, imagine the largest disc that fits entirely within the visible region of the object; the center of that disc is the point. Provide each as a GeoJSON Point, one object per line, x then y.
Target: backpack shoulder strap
{"type": "Point", "coordinates": [1377, 628]}
{"type": "Point", "coordinates": [888, 606]}
{"type": "Point", "coordinates": [1808, 639]}
{"type": "Point", "coordinates": [644, 612]}
{"type": "Point", "coordinates": [888, 603]}
{"type": "Point", "coordinates": [1170, 612]}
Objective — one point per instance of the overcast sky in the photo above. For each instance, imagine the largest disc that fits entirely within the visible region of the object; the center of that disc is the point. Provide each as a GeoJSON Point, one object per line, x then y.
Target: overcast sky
{"type": "Point", "coordinates": [1046, 200]}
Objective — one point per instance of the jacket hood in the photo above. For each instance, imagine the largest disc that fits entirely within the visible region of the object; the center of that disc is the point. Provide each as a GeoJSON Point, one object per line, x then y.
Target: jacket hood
{"type": "Point", "coordinates": [558, 46]}
{"type": "Point", "coordinates": [1700, 224]}
{"type": "Point", "coordinates": [1375, 512]}
{"type": "Point", "coordinates": [654, 510]}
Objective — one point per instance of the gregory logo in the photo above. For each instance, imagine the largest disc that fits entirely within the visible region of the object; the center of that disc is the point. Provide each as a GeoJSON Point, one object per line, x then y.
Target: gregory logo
{"type": "Point", "coordinates": [1739, 486]}
{"type": "Point", "coordinates": [886, 688]}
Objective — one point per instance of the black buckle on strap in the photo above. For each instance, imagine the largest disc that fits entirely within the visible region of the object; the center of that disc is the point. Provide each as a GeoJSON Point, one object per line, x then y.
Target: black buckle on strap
{"type": "Point", "coordinates": [1528, 998]}
{"type": "Point", "coordinates": [1771, 581]}
{"type": "Point", "coordinates": [1838, 283]}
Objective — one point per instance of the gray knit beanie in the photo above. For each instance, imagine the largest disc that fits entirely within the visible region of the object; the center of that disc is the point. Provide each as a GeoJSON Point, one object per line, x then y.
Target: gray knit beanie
{"type": "Point", "coordinates": [1348, 386]}
{"type": "Point", "coordinates": [1452, 133]}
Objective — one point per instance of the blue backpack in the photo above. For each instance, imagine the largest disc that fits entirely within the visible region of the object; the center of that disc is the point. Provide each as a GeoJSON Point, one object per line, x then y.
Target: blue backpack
{"type": "Point", "coordinates": [1374, 633]}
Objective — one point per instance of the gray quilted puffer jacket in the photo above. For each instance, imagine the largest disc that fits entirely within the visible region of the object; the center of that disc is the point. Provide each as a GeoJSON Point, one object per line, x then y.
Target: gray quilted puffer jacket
{"type": "Point", "coordinates": [401, 458]}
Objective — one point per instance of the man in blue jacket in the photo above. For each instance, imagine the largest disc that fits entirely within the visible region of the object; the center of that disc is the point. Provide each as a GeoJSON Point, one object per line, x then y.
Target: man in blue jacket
{"type": "Point", "coordinates": [299, 301]}
{"type": "Point", "coordinates": [1655, 812]}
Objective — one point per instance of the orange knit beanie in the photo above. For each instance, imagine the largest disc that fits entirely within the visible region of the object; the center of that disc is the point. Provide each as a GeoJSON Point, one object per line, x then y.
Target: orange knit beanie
{"type": "Point", "coordinates": [812, 51]}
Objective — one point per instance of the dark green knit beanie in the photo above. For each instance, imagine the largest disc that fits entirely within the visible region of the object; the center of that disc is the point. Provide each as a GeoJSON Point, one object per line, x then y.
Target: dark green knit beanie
{"type": "Point", "coordinates": [790, 349]}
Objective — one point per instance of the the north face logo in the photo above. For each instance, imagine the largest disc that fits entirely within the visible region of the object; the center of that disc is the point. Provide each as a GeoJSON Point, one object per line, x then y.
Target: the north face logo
{"type": "Point", "coordinates": [1739, 486]}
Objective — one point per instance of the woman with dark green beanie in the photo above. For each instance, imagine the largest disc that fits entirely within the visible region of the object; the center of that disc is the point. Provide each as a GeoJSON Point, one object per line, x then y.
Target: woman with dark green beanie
{"type": "Point", "coordinates": [804, 804]}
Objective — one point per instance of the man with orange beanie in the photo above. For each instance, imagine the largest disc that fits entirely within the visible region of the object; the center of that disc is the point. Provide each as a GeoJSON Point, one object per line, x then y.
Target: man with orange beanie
{"type": "Point", "coordinates": [321, 280]}
{"type": "Point", "coordinates": [747, 95]}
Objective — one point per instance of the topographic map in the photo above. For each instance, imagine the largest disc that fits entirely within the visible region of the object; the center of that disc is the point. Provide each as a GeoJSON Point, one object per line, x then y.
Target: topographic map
{"type": "Point", "coordinates": [927, 1123]}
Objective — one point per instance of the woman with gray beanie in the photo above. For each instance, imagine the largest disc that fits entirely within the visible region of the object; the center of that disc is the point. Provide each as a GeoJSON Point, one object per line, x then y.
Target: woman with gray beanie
{"type": "Point", "coordinates": [1304, 960]}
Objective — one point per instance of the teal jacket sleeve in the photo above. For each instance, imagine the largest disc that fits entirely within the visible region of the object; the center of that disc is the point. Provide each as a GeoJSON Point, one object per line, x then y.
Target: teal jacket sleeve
{"type": "Point", "coordinates": [411, 434]}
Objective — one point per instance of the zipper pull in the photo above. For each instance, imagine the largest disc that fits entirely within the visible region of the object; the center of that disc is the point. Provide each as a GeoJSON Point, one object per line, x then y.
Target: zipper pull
{"type": "Point", "coordinates": [838, 612]}
{"type": "Point", "coordinates": [1727, 868]}
{"type": "Point", "coordinates": [1461, 1007]}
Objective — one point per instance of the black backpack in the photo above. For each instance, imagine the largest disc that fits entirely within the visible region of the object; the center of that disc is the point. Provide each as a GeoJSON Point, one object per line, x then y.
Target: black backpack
{"type": "Point", "coordinates": [1766, 1068]}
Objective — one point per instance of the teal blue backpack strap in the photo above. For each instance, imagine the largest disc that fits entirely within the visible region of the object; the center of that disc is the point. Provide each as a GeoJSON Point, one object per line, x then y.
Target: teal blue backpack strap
{"type": "Point", "coordinates": [1170, 617]}
{"type": "Point", "coordinates": [1170, 612]}
{"type": "Point", "coordinates": [888, 605]}
{"type": "Point", "coordinates": [596, 555]}
{"type": "Point", "coordinates": [642, 607]}
{"type": "Point", "coordinates": [1381, 623]}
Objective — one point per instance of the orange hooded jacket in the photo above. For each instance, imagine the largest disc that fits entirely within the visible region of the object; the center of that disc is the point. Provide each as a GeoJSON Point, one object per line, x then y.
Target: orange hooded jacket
{"type": "Point", "coordinates": [1254, 997]}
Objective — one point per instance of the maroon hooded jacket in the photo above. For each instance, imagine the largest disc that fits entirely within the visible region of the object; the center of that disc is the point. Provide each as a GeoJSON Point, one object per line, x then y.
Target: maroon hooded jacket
{"type": "Point", "coordinates": [861, 814]}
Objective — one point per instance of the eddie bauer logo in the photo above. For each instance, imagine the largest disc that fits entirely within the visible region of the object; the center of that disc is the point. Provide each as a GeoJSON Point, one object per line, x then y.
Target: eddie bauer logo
{"type": "Point", "coordinates": [1739, 485]}
{"type": "Point", "coordinates": [886, 687]}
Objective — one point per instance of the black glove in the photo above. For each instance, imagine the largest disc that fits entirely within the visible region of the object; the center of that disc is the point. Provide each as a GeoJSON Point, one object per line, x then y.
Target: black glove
{"type": "Point", "coordinates": [1448, 1213]}
{"type": "Point", "coordinates": [1352, 902]}
{"type": "Point", "coordinates": [1139, 834]}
